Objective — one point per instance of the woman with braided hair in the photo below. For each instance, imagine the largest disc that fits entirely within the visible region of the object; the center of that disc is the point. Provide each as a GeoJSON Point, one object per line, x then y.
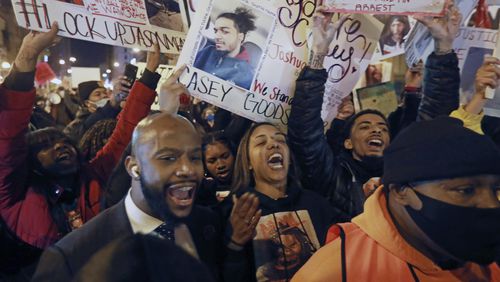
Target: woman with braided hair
{"type": "Point", "coordinates": [95, 138]}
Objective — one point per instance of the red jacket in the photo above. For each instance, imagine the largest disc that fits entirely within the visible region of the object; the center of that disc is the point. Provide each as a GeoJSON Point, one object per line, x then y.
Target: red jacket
{"type": "Point", "coordinates": [23, 208]}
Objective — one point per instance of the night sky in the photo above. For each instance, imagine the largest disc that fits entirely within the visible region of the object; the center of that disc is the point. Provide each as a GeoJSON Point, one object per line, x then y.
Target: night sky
{"type": "Point", "coordinates": [89, 54]}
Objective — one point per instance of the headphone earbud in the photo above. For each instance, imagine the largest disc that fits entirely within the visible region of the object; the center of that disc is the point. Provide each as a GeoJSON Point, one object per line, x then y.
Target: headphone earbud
{"type": "Point", "coordinates": [135, 171]}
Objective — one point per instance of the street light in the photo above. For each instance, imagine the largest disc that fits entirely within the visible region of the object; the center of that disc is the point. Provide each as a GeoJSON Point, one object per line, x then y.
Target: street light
{"type": "Point", "coordinates": [116, 64]}
{"type": "Point", "coordinates": [5, 65]}
{"type": "Point", "coordinates": [69, 71]}
{"type": "Point", "coordinates": [72, 59]}
{"type": "Point", "coordinates": [108, 71]}
{"type": "Point", "coordinates": [104, 75]}
{"type": "Point", "coordinates": [62, 62]}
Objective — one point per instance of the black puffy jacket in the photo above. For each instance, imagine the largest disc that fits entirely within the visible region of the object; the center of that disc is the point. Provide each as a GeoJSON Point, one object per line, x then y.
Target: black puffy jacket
{"type": "Point", "coordinates": [333, 176]}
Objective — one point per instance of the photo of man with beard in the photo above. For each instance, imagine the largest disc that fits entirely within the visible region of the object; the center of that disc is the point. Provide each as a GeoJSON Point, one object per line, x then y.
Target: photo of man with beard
{"type": "Point", "coordinates": [225, 56]}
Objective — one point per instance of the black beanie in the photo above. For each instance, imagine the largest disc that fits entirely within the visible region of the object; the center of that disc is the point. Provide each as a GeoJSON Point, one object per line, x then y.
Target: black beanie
{"type": "Point", "coordinates": [85, 88]}
{"type": "Point", "coordinates": [439, 149]}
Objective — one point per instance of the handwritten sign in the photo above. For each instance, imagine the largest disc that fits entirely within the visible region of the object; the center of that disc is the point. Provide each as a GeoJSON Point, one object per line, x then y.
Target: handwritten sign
{"type": "Point", "coordinates": [393, 7]}
{"type": "Point", "coordinates": [271, 93]}
{"type": "Point", "coordinates": [348, 60]}
{"type": "Point", "coordinates": [120, 24]}
{"type": "Point", "coordinates": [125, 10]}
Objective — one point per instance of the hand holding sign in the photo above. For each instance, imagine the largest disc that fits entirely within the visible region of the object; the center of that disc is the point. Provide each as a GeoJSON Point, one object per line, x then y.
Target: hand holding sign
{"type": "Point", "coordinates": [445, 29]}
{"type": "Point", "coordinates": [170, 92]}
{"type": "Point", "coordinates": [323, 31]}
{"type": "Point", "coordinates": [488, 75]}
{"type": "Point", "coordinates": [153, 58]}
{"type": "Point", "coordinates": [34, 43]}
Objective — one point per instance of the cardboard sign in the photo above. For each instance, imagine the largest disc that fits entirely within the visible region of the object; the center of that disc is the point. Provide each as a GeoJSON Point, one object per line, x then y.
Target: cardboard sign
{"type": "Point", "coordinates": [115, 22]}
{"type": "Point", "coordinates": [282, 39]}
{"type": "Point", "coordinates": [395, 7]}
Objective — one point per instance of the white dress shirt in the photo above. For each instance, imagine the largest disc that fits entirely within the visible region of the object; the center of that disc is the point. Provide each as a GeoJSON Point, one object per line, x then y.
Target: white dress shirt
{"type": "Point", "coordinates": [142, 222]}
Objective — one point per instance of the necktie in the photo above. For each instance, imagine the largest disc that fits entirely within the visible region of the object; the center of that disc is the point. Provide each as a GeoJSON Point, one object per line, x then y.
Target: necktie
{"type": "Point", "coordinates": [166, 230]}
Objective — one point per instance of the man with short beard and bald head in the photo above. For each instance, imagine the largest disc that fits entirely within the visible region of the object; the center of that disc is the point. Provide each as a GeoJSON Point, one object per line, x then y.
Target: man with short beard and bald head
{"type": "Point", "coordinates": [166, 169]}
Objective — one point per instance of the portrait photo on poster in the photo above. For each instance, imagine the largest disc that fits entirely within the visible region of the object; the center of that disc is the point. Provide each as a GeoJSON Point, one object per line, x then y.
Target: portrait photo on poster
{"type": "Point", "coordinates": [165, 14]}
{"type": "Point", "coordinates": [394, 35]}
{"type": "Point", "coordinates": [234, 42]}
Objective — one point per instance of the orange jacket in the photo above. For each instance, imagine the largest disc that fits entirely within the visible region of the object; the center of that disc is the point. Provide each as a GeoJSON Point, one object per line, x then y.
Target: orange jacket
{"type": "Point", "coordinates": [375, 251]}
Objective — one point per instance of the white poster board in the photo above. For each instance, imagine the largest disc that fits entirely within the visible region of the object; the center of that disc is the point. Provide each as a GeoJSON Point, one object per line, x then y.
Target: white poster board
{"type": "Point", "coordinates": [420, 7]}
{"type": "Point", "coordinates": [124, 23]}
{"type": "Point", "coordinates": [283, 54]}
{"type": "Point", "coordinates": [79, 75]}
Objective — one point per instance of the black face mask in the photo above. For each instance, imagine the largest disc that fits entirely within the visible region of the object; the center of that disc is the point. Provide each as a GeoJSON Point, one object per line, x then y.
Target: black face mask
{"type": "Point", "coordinates": [467, 233]}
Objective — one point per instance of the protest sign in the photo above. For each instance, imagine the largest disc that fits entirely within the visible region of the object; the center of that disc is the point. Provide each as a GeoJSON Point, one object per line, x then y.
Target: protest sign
{"type": "Point", "coordinates": [164, 70]}
{"type": "Point", "coordinates": [381, 97]}
{"type": "Point", "coordinates": [79, 74]}
{"type": "Point", "coordinates": [420, 43]}
{"type": "Point", "coordinates": [395, 7]}
{"type": "Point", "coordinates": [471, 45]}
{"type": "Point", "coordinates": [282, 56]}
{"type": "Point", "coordinates": [127, 23]}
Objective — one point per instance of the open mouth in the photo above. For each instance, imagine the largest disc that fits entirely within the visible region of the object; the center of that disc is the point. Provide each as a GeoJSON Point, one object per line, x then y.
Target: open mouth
{"type": "Point", "coordinates": [376, 143]}
{"type": "Point", "coordinates": [182, 194]}
{"type": "Point", "coordinates": [223, 173]}
{"type": "Point", "coordinates": [275, 161]}
{"type": "Point", "coordinates": [65, 156]}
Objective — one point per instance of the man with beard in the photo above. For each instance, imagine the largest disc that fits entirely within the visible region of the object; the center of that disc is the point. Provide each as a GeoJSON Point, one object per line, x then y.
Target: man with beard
{"type": "Point", "coordinates": [342, 178]}
{"type": "Point", "coordinates": [435, 219]}
{"type": "Point", "coordinates": [226, 58]}
{"type": "Point", "coordinates": [166, 169]}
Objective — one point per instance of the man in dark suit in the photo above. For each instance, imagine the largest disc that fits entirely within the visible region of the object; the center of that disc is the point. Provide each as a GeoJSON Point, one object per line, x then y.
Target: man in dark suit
{"type": "Point", "coordinates": [166, 169]}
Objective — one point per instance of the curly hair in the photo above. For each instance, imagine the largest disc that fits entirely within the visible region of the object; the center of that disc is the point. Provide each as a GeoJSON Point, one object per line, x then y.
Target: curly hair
{"type": "Point", "coordinates": [95, 138]}
{"type": "Point", "coordinates": [243, 18]}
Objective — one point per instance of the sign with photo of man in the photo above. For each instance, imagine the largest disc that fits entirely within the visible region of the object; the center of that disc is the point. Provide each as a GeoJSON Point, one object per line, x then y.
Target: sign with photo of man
{"type": "Point", "coordinates": [269, 43]}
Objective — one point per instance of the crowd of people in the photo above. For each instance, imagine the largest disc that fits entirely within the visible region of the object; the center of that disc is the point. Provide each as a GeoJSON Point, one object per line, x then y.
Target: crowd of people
{"type": "Point", "coordinates": [116, 192]}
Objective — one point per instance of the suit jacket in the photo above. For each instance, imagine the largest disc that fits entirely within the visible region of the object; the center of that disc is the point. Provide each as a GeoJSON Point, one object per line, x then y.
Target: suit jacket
{"type": "Point", "coordinates": [62, 261]}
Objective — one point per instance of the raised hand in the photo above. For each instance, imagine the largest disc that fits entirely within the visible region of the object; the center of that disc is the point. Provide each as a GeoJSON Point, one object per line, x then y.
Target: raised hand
{"type": "Point", "coordinates": [371, 185]}
{"type": "Point", "coordinates": [414, 75]}
{"type": "Point", "coordinates": [121, 90]}
{"type": "Point", "coordinates": [33, 44]}
{"type": "Point", "coordinates": [323, 31]}
{"type": "Point", "coordinates": [153, 58]}
{"type": "Point", "coordinates": [346, 108]}
{"type": "Point", "coordinates": [244, 218]}
{"type": "Point", "coordinates": [170, 91]}
{"type": "Point", "coordinates": [443, 29]}
{"type": "Point", "coordinates": [487, 75]}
